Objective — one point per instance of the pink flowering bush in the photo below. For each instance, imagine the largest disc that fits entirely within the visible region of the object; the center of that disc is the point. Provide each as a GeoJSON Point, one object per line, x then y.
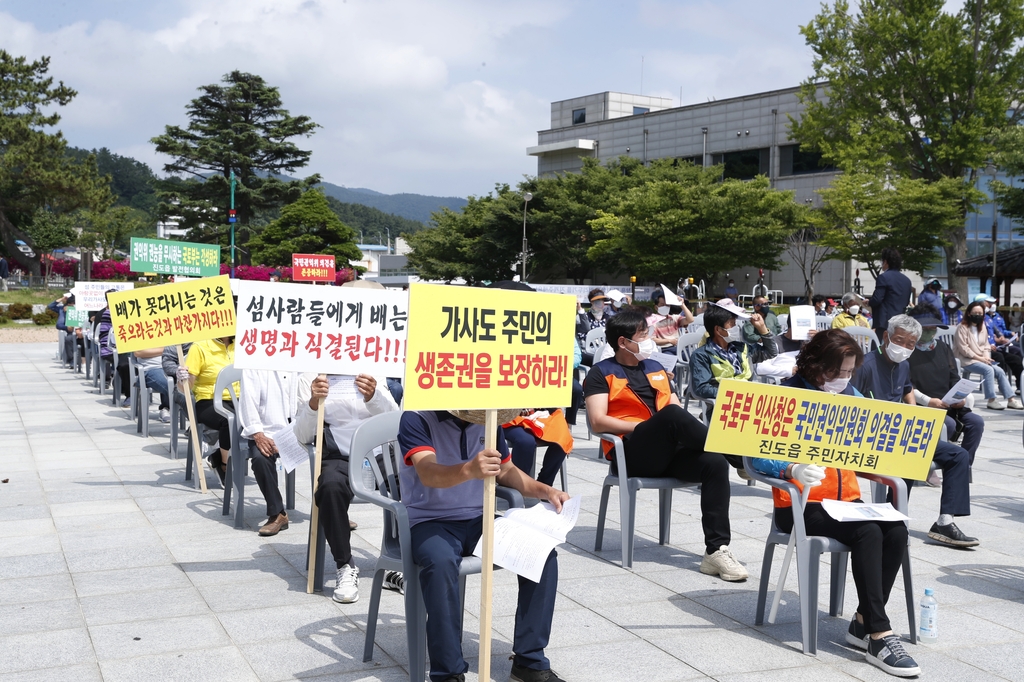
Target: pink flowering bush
{"type": "Point", "coordinates": [261, 273]}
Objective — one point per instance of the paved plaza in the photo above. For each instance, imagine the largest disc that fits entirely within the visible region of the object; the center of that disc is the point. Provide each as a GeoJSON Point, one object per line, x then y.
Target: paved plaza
{"type": "Point", "coordinates": [112, 567]}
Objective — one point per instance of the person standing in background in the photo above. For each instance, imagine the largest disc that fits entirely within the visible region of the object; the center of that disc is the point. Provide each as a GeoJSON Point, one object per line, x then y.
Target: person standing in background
{"type": "Point", "coordinates": [892, 292]}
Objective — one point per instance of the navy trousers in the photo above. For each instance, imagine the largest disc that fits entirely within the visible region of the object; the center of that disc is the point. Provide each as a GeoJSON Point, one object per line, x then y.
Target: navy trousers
{"type": "Point", "coordinates": [974, 428]}
{"type": "Point", "coordinates": [955, 464]}
{"type": "Point", "coordinates": [438, 548]}
{"type": "Point", "coordinates": [524, 453]}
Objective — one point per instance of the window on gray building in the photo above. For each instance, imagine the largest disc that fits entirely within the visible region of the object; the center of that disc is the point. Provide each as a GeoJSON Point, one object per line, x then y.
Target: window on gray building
{"type": "Point", "coordinates": [794, 161]}
{"type": "Point", "coordinates": [579, 116]}
{"type": "Point", "coordinates": [745, 164]}
{"type": "Point", "coordinates": [640, 110]}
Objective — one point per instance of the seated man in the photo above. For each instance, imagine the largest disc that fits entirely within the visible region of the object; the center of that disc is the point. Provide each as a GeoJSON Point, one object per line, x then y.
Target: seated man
{"type": "Point", "coordinates": [443, 491]}
{"type": "Point", "coordinates": [885, 375]}
{"type": "Point", "coordinates": [726, 355]}
{"type": "Point", "coordinates": [850, 315]}
{"type": "Point", "coordinates": [630, 395]}
{"type": "Point", "coordinates": [933, 372]}
{"type": "Point", "coordinates": [353, 400]}
{"type": "Point", "coordinates": [771, 321]}
{"type": "Point", "coordinates": [267, 405]}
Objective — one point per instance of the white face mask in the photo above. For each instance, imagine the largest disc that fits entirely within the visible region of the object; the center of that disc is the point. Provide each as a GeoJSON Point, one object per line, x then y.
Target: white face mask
{"type": "Point", "coordinates": [663, 310]}
{"type": "Point", "coordinates": [617, 304]}
{"type": "Point", "coordinates": [854, 309]}
{"type": "Point", "coordinates": [837, 385]}
{"type": "Point", "coordinates": [645, 349]}
{"type": "Point", "coordinates": [896, 353]}
{"type": "Point", "coordinates": [951, 304]}
{"type": "Point", "coordinates": [734, 334]}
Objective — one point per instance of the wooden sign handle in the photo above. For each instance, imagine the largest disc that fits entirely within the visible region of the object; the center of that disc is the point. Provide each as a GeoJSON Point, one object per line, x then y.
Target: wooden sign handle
{"type": "Point", "coordinates": [314, 514]}
{"type": "Point", "coordinates": [197, 445]}
{"type": "Point", "coordinates": [487, 552]}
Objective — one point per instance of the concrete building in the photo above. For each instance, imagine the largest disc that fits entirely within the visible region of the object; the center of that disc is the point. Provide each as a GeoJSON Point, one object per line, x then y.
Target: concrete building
{"type": "Point", "coordinates": [749, 136]}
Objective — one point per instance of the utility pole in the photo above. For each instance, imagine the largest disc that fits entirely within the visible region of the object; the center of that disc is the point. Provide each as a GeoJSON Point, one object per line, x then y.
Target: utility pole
{"type": "Point", "coordinates": [231, 219]}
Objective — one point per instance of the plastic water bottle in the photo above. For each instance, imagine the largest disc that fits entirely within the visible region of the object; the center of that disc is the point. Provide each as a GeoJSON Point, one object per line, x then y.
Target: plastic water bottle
{"type": "Point", "coordinates": [929, 630]}
{"type": "Point", "coordinates": [369, 481]}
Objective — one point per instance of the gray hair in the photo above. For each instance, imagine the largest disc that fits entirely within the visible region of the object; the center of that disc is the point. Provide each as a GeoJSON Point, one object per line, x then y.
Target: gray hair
{"type": "Point", "coordinates": [850, 298]}
{"type": "Point", "coordinates": [906, 323]}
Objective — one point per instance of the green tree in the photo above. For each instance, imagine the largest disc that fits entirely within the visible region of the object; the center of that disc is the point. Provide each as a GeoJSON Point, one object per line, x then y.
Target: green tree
{"type": "Point", "coordinates": [106, 231]}
{"type": "Point", "coordinates": [241, 127]}
{"type": "Point", "coordinates": [35, 171]}
{"type": "Point", "coordinates": [132, 182]}
{"type": "Point", "coordinates": [308, 225]}
{"type": "Point", "coordinates": [50, 231]}
{"type": "Point", "coordinates": [863, 213]}
{"type": "Point", "coordinates": [698, 225]}
{"type": "Point", "coordinates": [914, 90]}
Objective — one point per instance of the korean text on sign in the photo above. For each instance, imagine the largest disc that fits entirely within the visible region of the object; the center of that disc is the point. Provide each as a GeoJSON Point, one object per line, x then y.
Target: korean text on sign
{"type": "Point", "coordinates": [307, 267]}
{"type": "Point", "coordinates": [168, 257]}
{"type": "Point", "coordinates": [488, 348]}
{"type": "Point", "coordinates": [76, 317]}
{"type": "Point", "coordinates": [173, 313]}
{"type": "Point", "coordinates": [332, 330]}
{"type": "Point", "coordinates": [92, 296]}
{"type": "Point", "coordinates": [815, 427]}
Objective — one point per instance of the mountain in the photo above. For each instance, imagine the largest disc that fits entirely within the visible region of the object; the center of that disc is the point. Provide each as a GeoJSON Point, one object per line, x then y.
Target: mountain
{"type": "Point", "coordinates": [411, 206]}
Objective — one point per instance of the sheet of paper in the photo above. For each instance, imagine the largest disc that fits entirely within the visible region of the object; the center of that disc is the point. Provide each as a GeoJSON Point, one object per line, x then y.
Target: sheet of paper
{"type": "Point", "coordinates": [801, 321]}
{"type": "Point", "coordinates": [293, 453]}
{"type": "Point", "coordinates": [543, 518]}
{"type": "Point", "coordinates": [519, 549]}
{"type": "Point", "coordinates": [342, 386]}
{"type": "Point", "coordinates": [670, 296]}
{"type": "Point", "coordinates": [666, 360]}
{"type": "Point", "coordinates": [960, 391]}
{"type": "Point", "coordinates": [857, 511]}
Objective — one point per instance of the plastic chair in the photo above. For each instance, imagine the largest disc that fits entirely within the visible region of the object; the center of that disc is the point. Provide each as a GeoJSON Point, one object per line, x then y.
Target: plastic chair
{"type": "Point", "coordinates": [946, 336]}
{"type": "Point", "coordinates": [627, 500]}
{"type": "Point", "coordinates": [87, 357]}
{"type": "Point", "coordinates": [141, 396]}
{"type": "Point", "coordinates": [177, 415]}
{"type": "Point", "coordinates": [226, 379]}
{"type": "Point", "coordinates": [822, 322]}
{"type": "Point", "coordinates": [688, 342]}
{"type": "Point", "coordinates": [381, 431]}
{"type": "Point", "coordinates": [865, 337]}
{"type": "Point", "coordinates": [808, 555]}
{"type": "Point", "coordinates": [207, 436]}
{"type": "Point", "coordinates": [59, 357]}
{"type": "Point", "coordinates": [594, 340]}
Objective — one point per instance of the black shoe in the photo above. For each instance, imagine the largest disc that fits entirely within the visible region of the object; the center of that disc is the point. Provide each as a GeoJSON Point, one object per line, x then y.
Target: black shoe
{"type": "Point", "coordinates": [520, 674]}
{"type": "Point", "coordinates": [888, 654]}
{"type": "Point", "coordinates": [735, 461]}
{"type": "Point", "coordinates": [952, 536]}
{"type": "Point", "coordinates": [455, 678]}
{"type": "Point", "coordinates": [218, 466]}
{"type": "Point", "coordinates": [394, 580]}
{"type": "Point", "coordinates": [857, 636]}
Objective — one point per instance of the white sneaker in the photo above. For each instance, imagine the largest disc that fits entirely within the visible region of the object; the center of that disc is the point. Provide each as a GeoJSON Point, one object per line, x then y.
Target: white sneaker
{"type": "Point", "coordinates": [723, 564]}
{"type": "Point", "coordinates": [165, 416]}
{"type": "Point", "coordinates": [1014, 404]}
{"type": "Point", "coordinates": [995, 404]}
{"type": "Point", "coordinates": [347, 591]}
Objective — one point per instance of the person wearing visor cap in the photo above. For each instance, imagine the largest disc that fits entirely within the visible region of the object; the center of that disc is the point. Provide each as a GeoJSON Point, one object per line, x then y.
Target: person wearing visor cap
{"type": "Point", "coordinates": [594, 318]}
{"type": "Point", "coordinates": [952, 309]}
{"type": "Point", "coordinates": [726, 355]}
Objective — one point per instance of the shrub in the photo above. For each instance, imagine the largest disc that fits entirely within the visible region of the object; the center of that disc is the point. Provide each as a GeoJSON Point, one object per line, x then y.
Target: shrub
{"type": "Point", "coordinates": [45, 318]}
{"type": "Point", "coordinates": [21, 311]}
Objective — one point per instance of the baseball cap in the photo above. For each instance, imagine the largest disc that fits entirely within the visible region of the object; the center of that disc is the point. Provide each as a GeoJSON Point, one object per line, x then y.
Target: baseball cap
{"type": "Point", "coordinates": [984, 297]}
{"type": "Point", "coordinates": [732, 308]}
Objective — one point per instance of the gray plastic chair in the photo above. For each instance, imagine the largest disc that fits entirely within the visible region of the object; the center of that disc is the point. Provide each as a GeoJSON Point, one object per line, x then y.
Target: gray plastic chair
{"type": "Point", "coordinates": [627, 500]}
{"type": "Point", "coordinates": [688, 342]}
{"type": "Point", "coordinates": [381, 431]}
{"type": "Point", "coordinates": [226, 382]}
{"type": "Point", "coordinates": [141, 396]}
{"type": "Point", "coordinates": [808, 557]}
{"type": "Point", "coordinates": [177, 415]}
{"type": "Point", "coordinates": [208, 440]}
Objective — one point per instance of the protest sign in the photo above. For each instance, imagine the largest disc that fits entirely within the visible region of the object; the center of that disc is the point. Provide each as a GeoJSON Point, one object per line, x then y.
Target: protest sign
{"type": "Point", "coordinates": [308, 267]}
{"type": "Point", "coordinates": [91, 296]}
{"type": "Point", "coordinates": [75, 317]}
{"type": "Point", "coordinates": [330, 330]}
{"type": "Point", "coordinates": [488, 348]}
{"type": "Point", "coordinates": [171, 314]}
{"type": "Point", "coordinates": [168, 257]}
{"type": "Point", "coordinates": [814, 427]}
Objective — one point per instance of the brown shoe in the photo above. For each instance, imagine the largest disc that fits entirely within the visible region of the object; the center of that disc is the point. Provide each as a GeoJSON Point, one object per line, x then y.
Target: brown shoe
{"type": "Point", "coordinates": [275, 525]}
{"type": "Point", "coordinates": [352, 525]}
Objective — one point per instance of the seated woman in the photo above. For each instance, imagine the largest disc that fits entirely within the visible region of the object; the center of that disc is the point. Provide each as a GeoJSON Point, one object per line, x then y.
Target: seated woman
{"type": "Point", "coordinates": [826, 363]}
{"type": "Point", "coordinates": [202, 366]}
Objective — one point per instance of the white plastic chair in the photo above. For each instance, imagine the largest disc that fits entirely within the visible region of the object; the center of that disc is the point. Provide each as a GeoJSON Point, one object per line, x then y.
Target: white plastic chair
{"type": "Point", "coordinates": [865, 337]}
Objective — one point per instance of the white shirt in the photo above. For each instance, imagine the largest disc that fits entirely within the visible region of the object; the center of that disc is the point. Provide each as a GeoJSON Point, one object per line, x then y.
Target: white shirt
{"type": "Point", "coordinates": [342, 415]}
{"type": "Point", "coordinates": [268, 402]}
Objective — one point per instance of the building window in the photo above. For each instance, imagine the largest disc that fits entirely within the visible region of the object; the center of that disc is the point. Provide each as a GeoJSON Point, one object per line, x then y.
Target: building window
{"type": "Point", "coordinates": [794, 161]}
{"type": "Point", "coordinates": [640, 110]}
{"type": "Point", "coordinates": [579, 116]}
{"type": "Point", "coordinates": [744, 165]}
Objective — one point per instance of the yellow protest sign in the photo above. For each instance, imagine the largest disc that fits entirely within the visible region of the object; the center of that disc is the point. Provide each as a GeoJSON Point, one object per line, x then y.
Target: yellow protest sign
{"type": "Point", "coordinates": [488, 348]}
{"type": "Point", "coordinates": [814, 427]}
{"type": "Point", "coordinates": [171, 314]}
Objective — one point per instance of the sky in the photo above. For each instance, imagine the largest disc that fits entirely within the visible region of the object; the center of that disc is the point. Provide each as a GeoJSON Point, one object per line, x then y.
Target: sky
{"type": "Point", "coordinates": [434, 97]}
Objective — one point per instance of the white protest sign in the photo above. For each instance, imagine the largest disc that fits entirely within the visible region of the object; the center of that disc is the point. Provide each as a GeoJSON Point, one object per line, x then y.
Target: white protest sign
{"type": "Point", "coordinates": [801, 321]}
{"type": "Point", "coordinates": [91, 296]}
{"type": "Point", "coordinates": [323, 329]}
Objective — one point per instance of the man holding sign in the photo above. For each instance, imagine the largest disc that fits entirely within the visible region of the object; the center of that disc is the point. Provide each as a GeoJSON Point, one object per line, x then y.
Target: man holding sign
{"type": "Point", "coordinates": [442, 488]}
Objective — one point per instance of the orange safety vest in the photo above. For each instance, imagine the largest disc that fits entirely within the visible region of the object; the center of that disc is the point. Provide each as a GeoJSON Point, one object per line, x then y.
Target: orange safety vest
{"type": "Point", "coordinates": [623, 402]}
{"type": "Point", "coordinates": [838, 484]}
{"type": "Point", "coordinates": [553, 429]}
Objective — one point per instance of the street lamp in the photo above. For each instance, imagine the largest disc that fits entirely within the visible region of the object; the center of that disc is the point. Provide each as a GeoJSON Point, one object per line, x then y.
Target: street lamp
{"type": "Point", "coordinates": [527, 196]}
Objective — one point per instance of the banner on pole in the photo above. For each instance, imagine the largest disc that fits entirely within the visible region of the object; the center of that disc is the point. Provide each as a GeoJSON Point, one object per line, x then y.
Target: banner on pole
{"type": "Point", "coordinates": [329, 330]}
{"type": "Point", "coordinates": [488, 348]}
{"type": "Point", "coordinates": [171, 314]}
{"type": "Point", "coordinates": [75, 317]}
{"type": "Point", "coordinates": [814, 427]}
{"type": "Point", "coordinates": [309, 267]}
{"type": "Point", "coordinates": [175, 258]}
{"type": "Point", "coordinates": [91, 296]}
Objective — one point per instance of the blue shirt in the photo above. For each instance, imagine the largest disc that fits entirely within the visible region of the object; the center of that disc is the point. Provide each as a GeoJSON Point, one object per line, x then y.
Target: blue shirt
{"type": "Point", "coordinates": [880, 378]}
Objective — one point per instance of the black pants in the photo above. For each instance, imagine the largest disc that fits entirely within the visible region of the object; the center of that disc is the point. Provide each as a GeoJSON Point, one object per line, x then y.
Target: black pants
{"type": "Point", "coordinates": [333, 496]}
{"type": "Point", "coordinates": [577, 403]}
{"type": "Point", "coordinates": [264, 470]}
{"type": "Point", "coordinates": [207, 416]}
{"type": "Point", "coordinates": [524, 453]}
{"type": "Point", "coordinates": [671, 443]}
{"type": "Point", "coordinates": [1011, 364]}
{"type": "Point", "coordinates": [876, 554]}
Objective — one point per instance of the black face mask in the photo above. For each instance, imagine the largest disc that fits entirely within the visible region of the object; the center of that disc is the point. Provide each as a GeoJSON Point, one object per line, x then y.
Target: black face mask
{"type": "Point", "coordinates": [975, 318]}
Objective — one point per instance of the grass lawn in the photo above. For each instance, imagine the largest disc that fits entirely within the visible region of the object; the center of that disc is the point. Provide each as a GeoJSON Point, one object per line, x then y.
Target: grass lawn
{"type": "Point", "coordinates": [43, 296]}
